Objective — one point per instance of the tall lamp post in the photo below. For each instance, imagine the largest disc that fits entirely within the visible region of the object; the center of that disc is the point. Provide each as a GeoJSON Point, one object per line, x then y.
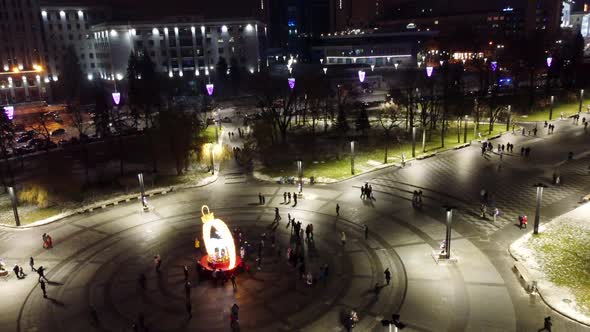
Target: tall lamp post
{"type": "Point", "coordinates": [465, 129]}
{"type": "Point", "coordinates": [540, 188]}
{"type": "Point", "coordinates": [352, 157]}
{"type": "Point", "coordinates": [12, 195]}
{"type": "Point", "coordinates": [508, 119]}
{"type": "Point", "coordinates": [551, 101]}
{"type": "Point", "coordinates": [300, 173]}
{"type": "Point", "coordinates": [449, 215]}
{"type": "Point", "coordinates": [581, 98]}
{"type": "Point", "coordinates": [211, 157]}
{"type": "Point", "coordinates": [142, 189]}
{"type": "Point", "coordinates": [413, 141]}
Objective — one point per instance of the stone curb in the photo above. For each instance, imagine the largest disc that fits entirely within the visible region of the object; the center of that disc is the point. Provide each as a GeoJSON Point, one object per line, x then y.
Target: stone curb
{"type": "Point", "coordinates": [541, 293]}
{"type": "Point", "coordinates": [114, 202]}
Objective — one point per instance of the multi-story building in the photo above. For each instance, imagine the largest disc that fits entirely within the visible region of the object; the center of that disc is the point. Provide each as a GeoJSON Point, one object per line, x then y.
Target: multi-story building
{"type": "Point", "coordinates": [22, 65]}
{"type": "Point", "coordinates": [65, 26]}
{"type": "Point", "coordinates": [371, 47]}
{"type": "Point", "coordinates": [178, 46]}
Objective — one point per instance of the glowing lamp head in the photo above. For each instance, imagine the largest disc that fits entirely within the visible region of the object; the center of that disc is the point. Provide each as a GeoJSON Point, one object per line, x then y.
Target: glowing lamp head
{"type": "Point", "coordinates": [549, 61]}
{"type": "Point", "coordinates": [9, 111]}
{"type": "Point", "coordinates": [361, 76]}
{"type": "Point", "coordinates": [494, 65]}
{"type": "Point", "coordinates": [325, 70]}
{"type": "Point", "coordinates": [116, 97]}
{"type": "Point", "coordinates": [209, 89]}
{"type": "Point", "coordinates": [291, 81]}
{"type": "Point", "coordinates": [221, 248]}
{"type": "Point", "coordinates": [429, 70]}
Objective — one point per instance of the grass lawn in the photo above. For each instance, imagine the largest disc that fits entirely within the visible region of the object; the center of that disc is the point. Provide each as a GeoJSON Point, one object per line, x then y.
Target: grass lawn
{"type": "Point", "coordinates": [543, 114]}
{"type": "Point", "coordinates": [208, 135]}
{"type": "Point", "coordinates": [340, 169]}
{"type": "Point", "coordinates": [564, 252]}
{"type": "Point", "coordinates": [39, 214]}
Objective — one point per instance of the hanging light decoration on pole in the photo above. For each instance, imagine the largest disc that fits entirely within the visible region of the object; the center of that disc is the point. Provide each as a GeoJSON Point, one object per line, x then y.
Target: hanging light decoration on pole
{"type": "Point", "coordinates": [291, 81]}
{"type": "Point", "coordinates": [209, 87]}
{"type": "Point", "coordinates": [494, 65]}
{"type": "Point", "coordinates": [549, 61]}
{"type": "Point", "coordinates": [361, 76]}
{"type": "Point", "coordinates": [325, 70]}
{"type": "Point", "coordinates": [429, 71]}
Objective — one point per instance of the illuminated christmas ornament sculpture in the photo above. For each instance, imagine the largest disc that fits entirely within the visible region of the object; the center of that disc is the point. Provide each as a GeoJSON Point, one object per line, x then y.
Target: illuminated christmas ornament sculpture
{"type": "Point", "coordinates": [221, 249]}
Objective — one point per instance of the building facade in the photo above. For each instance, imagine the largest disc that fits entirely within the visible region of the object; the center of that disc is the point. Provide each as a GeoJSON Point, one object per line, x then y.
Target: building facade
{"type": "Point", "coordinates": [65, 26]}
{"type": "Point", "coordinates": [178, 46]}
{"type": "Point", "coordinates": [22, 65]}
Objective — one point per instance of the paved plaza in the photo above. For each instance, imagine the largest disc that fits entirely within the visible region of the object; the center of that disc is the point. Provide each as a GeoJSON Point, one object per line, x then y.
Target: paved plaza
{"type": "Point", "coordinates": [98, 257]}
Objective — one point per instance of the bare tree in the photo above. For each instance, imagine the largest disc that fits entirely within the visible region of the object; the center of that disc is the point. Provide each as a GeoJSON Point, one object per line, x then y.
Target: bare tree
{"type": "Point", "coordinates": [388, 117]}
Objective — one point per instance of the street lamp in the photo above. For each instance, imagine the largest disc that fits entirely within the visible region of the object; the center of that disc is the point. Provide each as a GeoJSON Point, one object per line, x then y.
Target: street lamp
{"type": "Point", "coordinates": [413, 142]}
{"type": "Point", "coordinates": [352, 157]}
{"type": "Point", "coordinates": [465, 129]}
{"type": "Point", "coordinates": [429, 70]}
{"type": "Point", "coordinates": [209, 87]}
{"type": "Point", "coordinates": [508, 120]}
{"type": "Point", "coordinates": [116, 98]}
{"type": "Point", "coordinates": [325, 70]}
{"type": "Point", "coordinates": [552, 100]}
{"type": "Point", "coordinates": [494, 65]}
{"type": "Point", "coordinates": [300, 174]}
{"type": "Point", "coordinates": [142, 188]}
{"type": "Point", "coordinates": [211, 157]}
{"type": "Point", "coordinates": [291, 81]}
{"type": "Point", "coordinates": [581, 98]}
{"type": "Point", "coordinates": [12, 195]}
{"type": "Point", "coordinates": [372, 67]}
{"type": "Point", "coordinates": [395, 322]}
{"type": "Point", "coordinates": [539, 187]}
{"type": "Point", "coordinates": [361, 76]}
{"type": "Point", "coordinates": [449, 212]}
{"type": "Point", "coordinates": [549, 61]}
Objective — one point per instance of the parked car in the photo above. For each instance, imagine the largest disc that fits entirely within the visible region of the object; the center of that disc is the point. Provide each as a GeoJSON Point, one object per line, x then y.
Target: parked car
{"type": "Point", "coordinates": [24, 138]}
{"type": "Point", "coordinates": [58, 132]}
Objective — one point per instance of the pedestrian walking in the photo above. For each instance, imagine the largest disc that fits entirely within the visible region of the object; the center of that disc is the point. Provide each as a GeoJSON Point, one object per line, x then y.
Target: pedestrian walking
{"type": "Point", "coordinates": [233, 281]}
{"type": "Point", "coordinates": [496, 213]}
{"type": "Point", "coordinates": [343, 238]}
{"type": "Point", "coordinates": [362, 192]}
{"type": "Point", "coordinates": [41, 273]}
{"type": "Point", "coordinates": [16, 270]}
{"type": "Point", "coordinates": [387, 275]}
{"type": "Point", "coordinates": [277, 216]}
{"type": "Point", "coordinates": [42, 284]}
{"type": "Point", "coordinates": [263, 199]}
{"type": "Point", "coordinates": [295, 198]}
{"type": "Point", "coordinates": [260, 198]}
{"type": "Point", "coordinates": [189, 309]}
{"type": "Point", "coordinates": [546, 325]}
{"type": "Point", "coordinates": [289, 197]}
{"type": "Point", "coordinates": [522, 151]}
{"type": "Point", "coordinates": [337, 209]}
{"type": "Point", "coordinates": [366, 232]}
{"type": "Point", "coordinates": [185, 271]}
{"type": "Point", "coordinates": [32, 264]}
{"type": "Point", "coordinates": [285, 197]}
{"type": "Point", "coordinates": [157, 262]}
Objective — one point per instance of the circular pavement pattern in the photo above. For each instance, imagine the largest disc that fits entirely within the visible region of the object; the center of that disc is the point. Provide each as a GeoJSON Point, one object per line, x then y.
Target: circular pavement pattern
{"type": "Point", "coordinates": [102, 273]}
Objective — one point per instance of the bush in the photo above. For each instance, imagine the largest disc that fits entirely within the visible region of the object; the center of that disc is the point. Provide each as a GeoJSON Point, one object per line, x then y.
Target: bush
{"type": "Point", "coordinates": [35, 194]}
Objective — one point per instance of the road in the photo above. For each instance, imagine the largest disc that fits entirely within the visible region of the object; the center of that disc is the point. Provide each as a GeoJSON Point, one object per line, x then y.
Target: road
{"type": "Point", "coordinates": [98, 257]}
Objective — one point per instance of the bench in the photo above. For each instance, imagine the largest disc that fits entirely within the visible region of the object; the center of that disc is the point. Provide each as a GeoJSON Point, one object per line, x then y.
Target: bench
{"type": "Point", "coordinates": [525, 276]}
